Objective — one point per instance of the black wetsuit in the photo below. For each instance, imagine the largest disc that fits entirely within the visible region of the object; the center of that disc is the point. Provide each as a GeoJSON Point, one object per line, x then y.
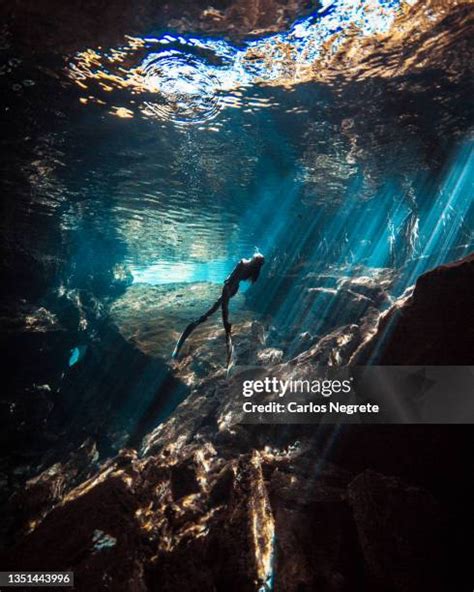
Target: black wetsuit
{"type": "Point", "coordinates": [246, 269]}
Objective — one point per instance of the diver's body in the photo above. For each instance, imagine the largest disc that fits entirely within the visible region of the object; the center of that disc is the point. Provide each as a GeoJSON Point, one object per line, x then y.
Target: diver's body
{"type": "Point", "coordinates": [246, 269]}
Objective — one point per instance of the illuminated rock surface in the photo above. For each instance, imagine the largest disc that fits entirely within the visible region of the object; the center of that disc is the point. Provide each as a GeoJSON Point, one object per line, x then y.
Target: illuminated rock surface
{"type": "Point", "coordinates": [213, 504]}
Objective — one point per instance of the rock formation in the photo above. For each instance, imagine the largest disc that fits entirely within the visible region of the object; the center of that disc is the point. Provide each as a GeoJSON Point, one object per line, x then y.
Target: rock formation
{"type": "Point", "coordinates": [208, 504]}
{"type": "Point", "coordinates": [434, 326]}
{"type": "Point", "coordinates": [136, 474]}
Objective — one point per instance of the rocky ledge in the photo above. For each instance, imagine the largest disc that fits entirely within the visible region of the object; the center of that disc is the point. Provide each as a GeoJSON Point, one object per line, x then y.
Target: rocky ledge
{"type": "Point", "coordinates": [205, 503]}
{"type": "Point", "coordinates": [201, 517]}
{"type": "Point", "coordinates": [433, 326]}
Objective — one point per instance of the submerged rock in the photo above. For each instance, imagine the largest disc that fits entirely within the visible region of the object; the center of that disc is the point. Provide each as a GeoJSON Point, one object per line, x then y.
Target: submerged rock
{"type": "Point", "coordinates": [48, 489]}
{"type": "Point", "coordinates": [433, 326]}
{"type": "Point", "coordinates": [210, 504]}
{"type": "Point", "coordinates": [191, 518]}
{"type": "Point", "coordinates": [323, 305]}
{"type": "Point", "coordinates": [153, 317]}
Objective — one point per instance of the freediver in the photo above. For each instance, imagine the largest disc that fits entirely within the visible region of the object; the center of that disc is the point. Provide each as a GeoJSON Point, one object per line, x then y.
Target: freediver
{"type": "Point", "coordinates": [245, 270]}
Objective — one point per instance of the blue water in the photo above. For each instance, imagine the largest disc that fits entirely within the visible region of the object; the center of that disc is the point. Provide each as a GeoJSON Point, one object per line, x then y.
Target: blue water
{"type": "Point", "coordinates": [340, 146]}
{"type": "Point", "coordinates": [186, 152]}
{"type": "Point", "coordinates": [171, 272]}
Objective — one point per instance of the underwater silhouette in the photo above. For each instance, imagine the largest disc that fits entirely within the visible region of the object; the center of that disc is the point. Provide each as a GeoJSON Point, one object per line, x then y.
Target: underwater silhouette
{"type": "Point", "coordinates": [245, 270]}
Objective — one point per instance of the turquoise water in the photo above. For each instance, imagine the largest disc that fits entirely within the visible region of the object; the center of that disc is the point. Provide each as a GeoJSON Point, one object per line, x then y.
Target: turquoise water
{"type": "Point", "coordinates": [175, 154]}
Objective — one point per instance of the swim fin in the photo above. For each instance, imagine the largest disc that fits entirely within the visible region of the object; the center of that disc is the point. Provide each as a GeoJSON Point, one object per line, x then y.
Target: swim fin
{"type": "Point", "coordinates": [184, 335]}
{"type": "Point", "coordinates": [230, 354]}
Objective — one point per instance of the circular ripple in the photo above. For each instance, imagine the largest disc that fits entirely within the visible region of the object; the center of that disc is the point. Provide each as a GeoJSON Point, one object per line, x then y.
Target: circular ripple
{"type": "Point", "coordinates": [187, 92]}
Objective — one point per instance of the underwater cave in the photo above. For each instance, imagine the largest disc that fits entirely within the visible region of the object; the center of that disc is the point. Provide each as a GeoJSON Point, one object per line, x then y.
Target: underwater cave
{"type": "Point", "coordinates": [147, 148]}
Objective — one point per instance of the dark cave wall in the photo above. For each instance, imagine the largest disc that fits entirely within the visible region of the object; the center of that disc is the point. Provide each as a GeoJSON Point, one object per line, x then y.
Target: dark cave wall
{"type": "Point", "coordinates": [434, 326]}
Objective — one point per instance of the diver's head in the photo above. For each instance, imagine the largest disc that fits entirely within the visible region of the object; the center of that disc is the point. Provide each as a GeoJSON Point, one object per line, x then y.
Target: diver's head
{"type": "Point", "coordinates": [256, 265]}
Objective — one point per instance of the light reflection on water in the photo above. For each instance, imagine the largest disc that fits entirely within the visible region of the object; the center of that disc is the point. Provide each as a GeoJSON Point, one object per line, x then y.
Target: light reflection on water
{"type": "Point", "coordinates": [187, 80]}
{"type": "Point", "coordinates": [315, 173]}
{"type": "Point", "coordinates": [173, 272]}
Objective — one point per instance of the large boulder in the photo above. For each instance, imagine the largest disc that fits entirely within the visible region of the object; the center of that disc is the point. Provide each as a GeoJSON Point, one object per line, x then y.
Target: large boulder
{"type": "Point", "coordinates": [433, 326]}
{"type": "Point", "coordinates": [199, 517]}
